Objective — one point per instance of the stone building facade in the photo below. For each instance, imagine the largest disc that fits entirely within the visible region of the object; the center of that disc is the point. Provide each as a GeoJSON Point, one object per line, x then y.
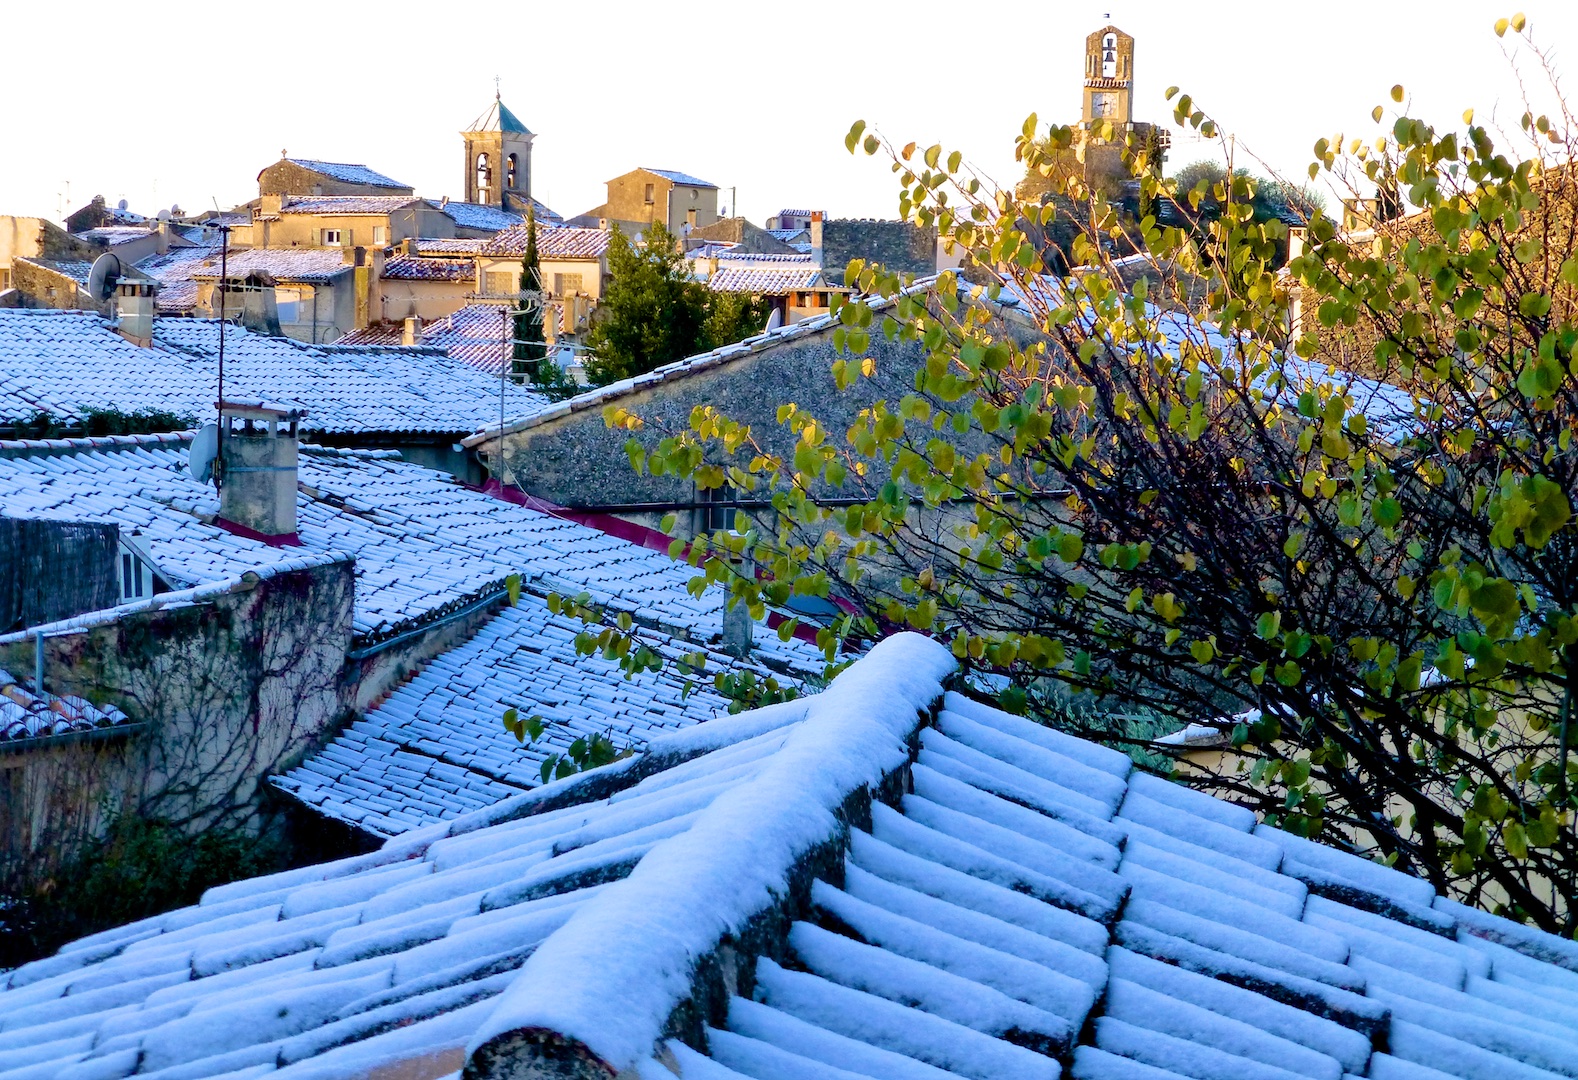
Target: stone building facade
{"type": "Point", "coordinates": [901, 246]}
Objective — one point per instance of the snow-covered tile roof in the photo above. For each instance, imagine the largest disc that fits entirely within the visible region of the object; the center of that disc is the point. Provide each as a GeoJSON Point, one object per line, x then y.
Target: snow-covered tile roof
{"type": "Point", "coordinates": [311, 265]}
{"type": "Point", "coordinates": [449, 247]}
{"type": "Point", "coordinates": [1015, 903]}
{"type": "Point", "coordinates": [679, 177]}
{"type": "Point", "coordinates": [67, 362]}
{"type": "Point", "coordinates": [436, 748]}
{"type": "Point", "coordinates": [75, 269]}
{"type": "Point", "coordinates": [766, 279]}
{"type": "Point", "coordinates": [478, 216]}
{"type": "Point", "coordinates": [424, 543]}
{"type": "Point", "coordinates": [114, 234]}
{"type": "Point", "coordinates": [790, 236]}
{"type": "Point", "coordinates": [345, 204]}
{"type": "Point", "coordinates": [417, 268]}
{"type": "Point", "coordinates": [174, 272]}
{"type": "Point", "coordinates": [24, 714]}
{"type": "Point", "coordinates": [350, 174]}
{"type": "Point", "coordinates": [473, 335]}
{"type": "Point", "coordinates": [553, 242]}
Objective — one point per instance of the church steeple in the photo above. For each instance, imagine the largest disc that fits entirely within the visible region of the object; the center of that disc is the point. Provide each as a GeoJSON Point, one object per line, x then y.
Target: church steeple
{"type": "Point", "coordinates": [1109, 78]}
{"type": "Point", "coordinates": [498, 159]}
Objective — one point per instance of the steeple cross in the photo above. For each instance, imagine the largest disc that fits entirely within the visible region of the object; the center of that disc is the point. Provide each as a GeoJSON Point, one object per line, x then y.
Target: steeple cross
{"type": "Point", "coordinates": [495, 88]}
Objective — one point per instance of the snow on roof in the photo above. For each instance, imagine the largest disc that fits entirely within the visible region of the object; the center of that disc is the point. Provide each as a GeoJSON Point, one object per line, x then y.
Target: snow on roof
{"type": "Point", "coordinates": [345, 204]}
{"type": "Point", "coordinates": [114, 234]}
{"type": "Point", "coordinates": [424, 543]}
{"type": "Point", "coordinates": [350, 174]}
{"type": "Point", "coordinates": [477, 216]}
{"type": "Point", "coordinates": [67, 362]}
{"type": "Point", "coordinates": [75, 269]}
{"type": "Point", "coordinates": [473, 335]}
{"type": "Point", "coordinates": [679, 177]}
{"type": "Point", "coordinates": [417, 268]}
{"type": "Point", "coordinates": [789, 235]}
{"type": "Point", "coordinates": [1014, 900]}
{"type": "Point", "coordinates": [174, 272]}
{"type": "Point", "coordinates": [24, 714]}
{"type": "Point", "coordinates": [766, 279]}
{"type": "Point", "coordinates": [470, 246]}
{"type": "Point", "coordinates": [308, 265]}
{"type": "Point", "coordinates": [553, 242]}
{"type": "Point", "coordinates": [436, 748]}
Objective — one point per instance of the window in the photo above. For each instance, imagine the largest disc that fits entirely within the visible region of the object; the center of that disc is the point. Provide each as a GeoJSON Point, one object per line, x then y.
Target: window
{"type": "Point", "coordinates": [331, 237]}
{"type": "Point", "coordinates": [502, 283]}
{"type": "Point", "coordinates": [566, 284]}
{"type": "Point", "coordinates": [650, 196]}
{"type": "Point", "coordinates": [5, 278]}
{"type": "Point", "coordinates": [136, 578]}
{"type": "Point", "coordinates": [716, 514]}
{"type": "Point", "coordinates": [694, 195]}
{"type": "Point", "coordinates": [690, 217]}
{"type": "Point", "coordinates": [380, 234]}
{"type": "Point", "coordinates": [511, 165]}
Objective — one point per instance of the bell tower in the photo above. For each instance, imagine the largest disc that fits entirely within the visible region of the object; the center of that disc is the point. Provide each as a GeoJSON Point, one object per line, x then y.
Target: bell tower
{"type": "Point", "coordinates": [498, 159]}
{"type": "Point", "coordinates": [1109, 78]}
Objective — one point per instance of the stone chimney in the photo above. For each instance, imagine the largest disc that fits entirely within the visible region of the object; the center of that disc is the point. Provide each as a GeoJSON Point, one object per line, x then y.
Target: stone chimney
{"type": "Point", "coordinates": [411, 331]}
{"type": "Point", "coordinates": [816, 237]}
{"type": "Point", "coordinates": [134, 310]}
{"type": "Point", "coordinates": [257, 470]}
{"type": "Point", "coordinates": [270, 204]}
{"type": "Point", "coordinates": [739, 628]}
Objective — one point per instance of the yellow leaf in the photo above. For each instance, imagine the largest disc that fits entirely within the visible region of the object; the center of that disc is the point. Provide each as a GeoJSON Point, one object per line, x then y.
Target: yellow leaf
{"type": "Point", "coordinates": [1501, 27]}
{"type": "Point", "coordinates": [1397, 92]}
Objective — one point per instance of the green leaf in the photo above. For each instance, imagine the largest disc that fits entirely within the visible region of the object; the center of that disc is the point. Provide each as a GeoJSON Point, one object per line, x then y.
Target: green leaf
{"type": "Point", "coordinates": [854, 135]}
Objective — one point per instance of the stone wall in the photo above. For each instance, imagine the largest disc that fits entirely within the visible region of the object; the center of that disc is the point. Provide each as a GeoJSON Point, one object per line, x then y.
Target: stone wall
{"type": "Point", "coordinates": [222, 693]}
{"type": "Point", "coordinates": [576, 461]}
{"type": "Point", "coordinates": [53, 570]}
{"type": "Point", "coordinates": [898, 245]}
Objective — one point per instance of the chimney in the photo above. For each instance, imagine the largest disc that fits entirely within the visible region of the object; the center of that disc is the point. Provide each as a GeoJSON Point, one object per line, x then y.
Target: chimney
{"type": "Point", "coordinates": [162, 244]}
{"type": "Point", "coordinates": [257, 474]}
{"type": "Point", "coordinates": [271, 204]}
{"type": "Point", "coordinates": [259, 305]}
{"type": "Point", "coordinates": [134, 310]}
{"type": "Point", "coordinates": [816, 237]}
{"type": "Point", "coordinates": [411, 331]}
{"type": "Point", "coordinates": [738, 626]}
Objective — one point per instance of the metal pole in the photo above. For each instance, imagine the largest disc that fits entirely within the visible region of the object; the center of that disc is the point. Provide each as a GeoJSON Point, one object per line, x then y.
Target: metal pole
{"type": "Point", "coordinates": [219, 405]}
{"type": "Point", "coordinates": [38, 664]}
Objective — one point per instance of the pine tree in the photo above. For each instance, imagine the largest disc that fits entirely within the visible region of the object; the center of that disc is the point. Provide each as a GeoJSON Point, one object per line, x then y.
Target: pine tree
{"type": "Point", "coordinates": [530, 346]}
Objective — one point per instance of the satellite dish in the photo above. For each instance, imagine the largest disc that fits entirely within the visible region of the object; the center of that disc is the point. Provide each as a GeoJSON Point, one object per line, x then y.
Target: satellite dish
{"type": "Point", "coordinates": [163, 215]}
{"type": "Point", "coordinates": [122, 204]}
{"type": "Point", "coordinates": [776, 319]}
{"type": "Point", "coordinates": [205, 448]}
{"type": "Point", "coordinates": [104, 276]}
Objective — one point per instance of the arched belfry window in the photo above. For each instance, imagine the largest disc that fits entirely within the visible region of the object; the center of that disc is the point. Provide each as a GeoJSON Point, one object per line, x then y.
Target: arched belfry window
{"type": "Point", "coordinates": [1109, 56]}
{"type": "Point", "coordinates": [484, 177]}
{"type": "Point", "coordinates": [511, 173]}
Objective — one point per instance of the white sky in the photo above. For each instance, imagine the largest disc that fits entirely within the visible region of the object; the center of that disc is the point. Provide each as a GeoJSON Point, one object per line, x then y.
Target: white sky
{"type": "Point", "coordinates": [191, 99]}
